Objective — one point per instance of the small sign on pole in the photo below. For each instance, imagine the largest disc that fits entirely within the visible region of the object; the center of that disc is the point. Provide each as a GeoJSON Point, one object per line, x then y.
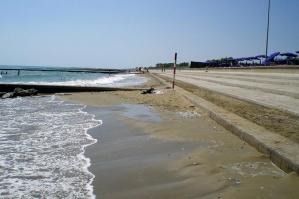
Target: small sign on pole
{"type": "Point", "coordinates": [174, 70]}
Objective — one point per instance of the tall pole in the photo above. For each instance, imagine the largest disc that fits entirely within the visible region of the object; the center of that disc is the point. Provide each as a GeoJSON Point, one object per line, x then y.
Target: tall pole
{"type": "Point", "coordinates": [174, 70]}
{"type": "Point", "coordinates": [268, 24]}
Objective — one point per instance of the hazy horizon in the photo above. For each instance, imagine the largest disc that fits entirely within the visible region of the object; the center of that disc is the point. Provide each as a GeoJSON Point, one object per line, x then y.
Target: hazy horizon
{"type": "Point", "coordinates": [130, 33]}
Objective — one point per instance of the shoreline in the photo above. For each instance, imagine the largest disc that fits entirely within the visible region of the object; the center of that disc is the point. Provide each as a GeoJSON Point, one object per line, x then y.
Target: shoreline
{"type": "Point", "coordinates": [217, 172]}
{"type": "Point", "coordinates": [87, 159]}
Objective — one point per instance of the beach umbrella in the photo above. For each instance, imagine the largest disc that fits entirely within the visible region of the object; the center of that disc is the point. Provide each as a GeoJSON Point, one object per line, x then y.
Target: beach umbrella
{"type": "Point", "coordinates": [273, 55]}
{"type": "Point", "coordinates": [251, 58]}
{"type": "Point", "coordinates": [271, 58]}
{"type": "Point", "coordinates": [288, 54]}
{"type": "Point", "coordinates": [260, 56]}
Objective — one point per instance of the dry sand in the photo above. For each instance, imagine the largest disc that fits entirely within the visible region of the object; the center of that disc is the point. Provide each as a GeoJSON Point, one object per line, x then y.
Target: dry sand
{"type": "Point", "coordinates": [272, 119]}
{"type": "Point", "coordinates": [179, 156]}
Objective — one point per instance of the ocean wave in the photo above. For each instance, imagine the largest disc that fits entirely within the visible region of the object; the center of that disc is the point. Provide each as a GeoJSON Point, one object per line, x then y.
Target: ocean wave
{"type": "Point", "coordinates": [113, 80]}
{"type": "Point", "coordinates": [42, 145]}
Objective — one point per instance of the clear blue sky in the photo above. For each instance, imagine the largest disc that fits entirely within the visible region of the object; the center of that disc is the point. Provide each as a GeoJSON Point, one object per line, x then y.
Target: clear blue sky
{"type": "Point", "coordinates": [129, 33]}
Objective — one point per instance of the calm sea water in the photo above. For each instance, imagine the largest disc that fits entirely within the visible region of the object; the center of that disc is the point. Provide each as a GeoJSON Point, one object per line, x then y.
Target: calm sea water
{"type": "Point", "coordinates": [43, 139]}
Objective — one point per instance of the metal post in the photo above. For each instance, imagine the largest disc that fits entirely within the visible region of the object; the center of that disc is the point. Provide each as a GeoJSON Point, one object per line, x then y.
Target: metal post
{"type": "Point", "coordinates": [174, 70]}
{"type": "Point", "coordinates": [268, 24]}
{"type": "Point", "coordinates": [18, 72]}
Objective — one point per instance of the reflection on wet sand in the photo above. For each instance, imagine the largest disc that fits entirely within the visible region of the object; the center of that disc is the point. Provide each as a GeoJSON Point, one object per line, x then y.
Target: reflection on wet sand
{"type": "Point", "coordinates": [149, 152]}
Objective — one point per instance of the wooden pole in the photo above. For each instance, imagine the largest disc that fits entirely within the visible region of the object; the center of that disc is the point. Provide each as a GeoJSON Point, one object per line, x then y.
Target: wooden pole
{"type": "Point", "coordinates": [174, 70]}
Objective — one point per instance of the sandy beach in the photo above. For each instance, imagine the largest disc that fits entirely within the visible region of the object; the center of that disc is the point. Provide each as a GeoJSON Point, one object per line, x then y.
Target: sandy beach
{"type": "Point", "coordinates": [162, 146]}
{"type": "Point", "coordinates": [149, 99]}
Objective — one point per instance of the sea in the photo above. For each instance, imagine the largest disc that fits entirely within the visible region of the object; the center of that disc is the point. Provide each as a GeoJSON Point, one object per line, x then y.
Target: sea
{"type": "Point", "coordinates": [69, 78]}
{"type": "Point", "coordinates": [43, 138]}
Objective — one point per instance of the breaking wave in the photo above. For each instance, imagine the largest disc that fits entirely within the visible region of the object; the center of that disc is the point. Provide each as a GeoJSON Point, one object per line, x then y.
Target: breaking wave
{"type": "Point", "coordinates": [42, 144]}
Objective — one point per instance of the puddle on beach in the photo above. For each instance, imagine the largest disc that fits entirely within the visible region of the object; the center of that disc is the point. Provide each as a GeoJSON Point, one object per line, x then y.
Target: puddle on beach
{"type": "Point", "coordinates": [140, 112]}
{"type": "Point", "coordinates": [148, 114]}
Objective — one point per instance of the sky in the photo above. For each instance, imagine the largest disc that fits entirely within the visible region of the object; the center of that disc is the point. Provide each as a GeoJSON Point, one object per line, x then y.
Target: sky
{"type": "Point", "coordinates": [130, 33]}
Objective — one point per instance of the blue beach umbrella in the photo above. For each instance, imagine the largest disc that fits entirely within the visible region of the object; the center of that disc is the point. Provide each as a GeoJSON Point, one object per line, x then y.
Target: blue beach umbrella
{"type": "Point", "coordinates": [288, 54]}
{"type": "Point", "coordinates": [270, 58]}
{"type": "Point", "coordinates": [250, 58]}
{"type": "Point", "coordinates": [273, 55]}
{"type": "Point", "coordinates": [260, 56]}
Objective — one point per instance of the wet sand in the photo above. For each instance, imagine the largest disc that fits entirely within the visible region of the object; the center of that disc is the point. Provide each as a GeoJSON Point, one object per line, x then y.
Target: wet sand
{"type": "Point", "coordinates": [161, 146]}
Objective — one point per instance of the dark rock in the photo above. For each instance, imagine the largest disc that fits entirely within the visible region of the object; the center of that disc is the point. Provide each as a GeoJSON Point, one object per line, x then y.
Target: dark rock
{"type": "Point", "coordinates": [32, 91]}
{"type": "Point", "coordinates": [22, 93]}
{"type": "Point", "coordinates": [148, 91]}
{"type": "Point", "coordinates": [2, 93]}
{"type": "Point", "coordinates": [8, 95]}
{"type": "Point", "coordinates": [19, 92]}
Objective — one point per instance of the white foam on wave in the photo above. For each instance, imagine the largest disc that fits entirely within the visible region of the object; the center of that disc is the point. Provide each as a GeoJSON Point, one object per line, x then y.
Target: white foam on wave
{"type": "Point", "coordinates": [42, 145]}
{"type": "Point", "coordinates": [119, 79]}
{"type": "Point", "coordinates": [81, 155]}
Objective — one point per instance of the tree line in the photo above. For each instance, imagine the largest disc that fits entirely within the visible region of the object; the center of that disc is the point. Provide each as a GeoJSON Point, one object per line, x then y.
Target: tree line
{"type": "Point", "coordinates": [170, 65]}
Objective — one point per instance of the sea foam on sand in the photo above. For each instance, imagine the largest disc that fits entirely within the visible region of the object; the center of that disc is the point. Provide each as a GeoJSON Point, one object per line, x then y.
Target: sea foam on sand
{"type": "Point", "coordinates": [42, 144]}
